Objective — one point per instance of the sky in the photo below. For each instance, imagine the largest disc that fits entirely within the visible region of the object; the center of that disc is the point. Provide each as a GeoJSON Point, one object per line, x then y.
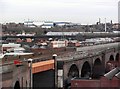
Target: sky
{"type": "Point", "coordinates": [77, 11]}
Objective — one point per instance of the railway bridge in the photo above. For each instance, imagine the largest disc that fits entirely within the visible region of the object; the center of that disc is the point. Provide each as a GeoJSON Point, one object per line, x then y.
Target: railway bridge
{"type": "Point", "coordinates": [90, 62]}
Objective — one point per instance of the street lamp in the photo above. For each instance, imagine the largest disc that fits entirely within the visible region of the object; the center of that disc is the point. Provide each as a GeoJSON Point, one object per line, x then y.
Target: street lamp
{"type": "Point", "coordinates": [55, 70]}
{"type": "Point", "coordinates": [54, 56]}
{"type": "Point", "coordinates": [31, 77]}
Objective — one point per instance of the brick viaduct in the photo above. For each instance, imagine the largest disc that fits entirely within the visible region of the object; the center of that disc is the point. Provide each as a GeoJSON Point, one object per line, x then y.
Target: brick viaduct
{"type": "Point", "coordinates": [87, 62]}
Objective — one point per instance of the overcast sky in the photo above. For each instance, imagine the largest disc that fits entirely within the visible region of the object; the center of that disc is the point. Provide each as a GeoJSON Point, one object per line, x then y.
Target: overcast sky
{"type": "Point", "coordinates": [78, 11]}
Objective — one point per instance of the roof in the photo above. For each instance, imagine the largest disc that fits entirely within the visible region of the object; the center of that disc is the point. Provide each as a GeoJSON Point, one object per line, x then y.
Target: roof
{"type": "Point", "coordinates": [112, 73]}
{"type": "Point", "coordinates": [118, 75]}
{"type": "Point", "coordinates": [42, 63]}
{"type": "Point", "coordinates": [11, 45]}
{"type": "Point", "coordinates": [16, 49]}
{"type": "Point", "coordinates": [19, 54]}
{"type": "Point", "coordinates": [62, 33]}
{"type": "Point", "coordinates": [42, 66]}
{"type": "Point", "coordinates": [11, 39]}
{"type": "Point", "coordinates": [1, 56]}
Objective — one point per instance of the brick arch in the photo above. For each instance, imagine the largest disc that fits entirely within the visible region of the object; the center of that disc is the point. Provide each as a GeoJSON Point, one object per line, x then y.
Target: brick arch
{"type": "Point", "coordinates": [86, 70]}
{"type": "Point", "coordinates": [97, 61]}
{"type": "Point", "coordinates": [117, 57]}
{"type": "Point", "coordinates": [97, 69]}
{"type": "Point", "coordinates": [117, 60]}
{"type": "Point", "coordinates": [97, 58]}
{"type": "Point", "coordinates": [17, 85]}
{"type": "Point", "coordinates": [110, 64]}
{"type": "Point", "coordinates": [73, 71]}
{"type": "Point", "coordinates": [111, 58]}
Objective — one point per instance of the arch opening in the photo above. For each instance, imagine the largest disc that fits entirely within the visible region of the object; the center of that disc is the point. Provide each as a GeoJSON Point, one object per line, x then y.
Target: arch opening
{"type": "Point", "coordinates": [73, 71]}
{"type": "Point", "coordinates": [117, 57]}
{"type": "Point", "coordinates": [17, 85]}
{"type": "Point", "coordinates": [110, 64]}
{"type": "Point", "coordinates": [97, 69]}
{"type": "Point", "coordinates": [117, 60]}
{"type": "Point", "coordinates": [111, 58]}
{"type": "Point", "coordinates": [86, 70]}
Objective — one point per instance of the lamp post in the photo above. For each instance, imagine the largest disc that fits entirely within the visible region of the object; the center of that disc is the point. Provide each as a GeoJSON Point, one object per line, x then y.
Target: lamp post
{"type": "Point", "coordinates": [55, 70]}
{"type": "Point", "coordinates": [31, 76]}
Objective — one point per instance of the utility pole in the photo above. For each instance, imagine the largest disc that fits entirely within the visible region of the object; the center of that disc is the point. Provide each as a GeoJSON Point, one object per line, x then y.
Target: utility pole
{"type": "Point", "coordinates": [105, 25]}
{"type": "Point", "coordinates": [27, 22]}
